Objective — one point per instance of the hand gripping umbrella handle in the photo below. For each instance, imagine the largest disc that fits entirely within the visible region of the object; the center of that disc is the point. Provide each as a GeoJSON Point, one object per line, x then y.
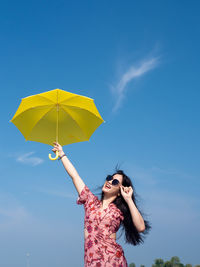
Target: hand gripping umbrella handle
{"type": "Point", "coordinates": [50, 157]}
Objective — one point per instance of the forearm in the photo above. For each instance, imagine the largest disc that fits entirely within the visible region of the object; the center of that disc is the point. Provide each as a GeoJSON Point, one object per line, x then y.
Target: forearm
{"type": "Point", "coordinates": [78, 182]}
{"type": "Point", "coordinates": [68, 166]}
{"type": "Point", "coordinates": [136, 216]}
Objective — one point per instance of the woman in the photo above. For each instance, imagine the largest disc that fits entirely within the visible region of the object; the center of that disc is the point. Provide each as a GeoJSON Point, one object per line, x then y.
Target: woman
{"type": "Point", "coordinates": [103, 218]}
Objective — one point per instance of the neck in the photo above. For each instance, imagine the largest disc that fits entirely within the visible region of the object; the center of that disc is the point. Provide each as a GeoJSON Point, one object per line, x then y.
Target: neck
{"type": "Point", "coordinates": [107, 200]}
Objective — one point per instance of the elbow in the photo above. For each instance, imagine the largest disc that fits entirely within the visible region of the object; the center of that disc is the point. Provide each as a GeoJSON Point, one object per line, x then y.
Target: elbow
{"type": "Point", "coordinates": [142, 228]}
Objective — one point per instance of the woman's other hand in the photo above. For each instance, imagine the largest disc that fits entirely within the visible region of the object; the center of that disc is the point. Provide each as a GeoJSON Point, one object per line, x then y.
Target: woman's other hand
{"type": "Point", "coordinates": [58, 147]}
{"type": "Point", "coordinates": [126, 192]}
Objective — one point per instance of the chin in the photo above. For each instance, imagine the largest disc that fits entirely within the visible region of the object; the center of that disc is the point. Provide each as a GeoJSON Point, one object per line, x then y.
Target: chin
{"type": "Point", "coordinates": [104, 190]}
{"type": "Point", "coordinates": [108, 192]}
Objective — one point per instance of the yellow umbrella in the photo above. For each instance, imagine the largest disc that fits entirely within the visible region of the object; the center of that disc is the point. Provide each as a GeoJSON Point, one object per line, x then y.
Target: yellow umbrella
{"type": "Point", "coordinates": [58, 116]}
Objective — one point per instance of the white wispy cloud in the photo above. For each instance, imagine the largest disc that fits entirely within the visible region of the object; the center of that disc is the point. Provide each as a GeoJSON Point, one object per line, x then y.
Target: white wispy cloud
{"type": "Point", "coordinates": [129, 75]}
{"type": "Point", "coordinates": [27, 158]}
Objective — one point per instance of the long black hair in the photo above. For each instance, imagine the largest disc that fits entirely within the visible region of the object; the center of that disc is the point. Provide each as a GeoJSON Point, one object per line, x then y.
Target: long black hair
{"type": "Point", "coordinates": [132, 236]}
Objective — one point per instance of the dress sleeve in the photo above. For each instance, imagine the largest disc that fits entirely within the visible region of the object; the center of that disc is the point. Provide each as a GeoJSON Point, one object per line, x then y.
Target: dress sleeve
{"type": "Point", "coordinates": [85, 196]}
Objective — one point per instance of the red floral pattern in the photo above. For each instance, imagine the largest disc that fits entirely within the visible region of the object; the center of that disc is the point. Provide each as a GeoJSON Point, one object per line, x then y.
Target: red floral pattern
{"type": "Point", "coordinates": [100, 248]}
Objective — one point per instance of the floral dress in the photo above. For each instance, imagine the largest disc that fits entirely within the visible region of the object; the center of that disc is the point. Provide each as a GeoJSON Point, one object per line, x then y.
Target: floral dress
{"type": "Point", "coordinates": [101, 249]}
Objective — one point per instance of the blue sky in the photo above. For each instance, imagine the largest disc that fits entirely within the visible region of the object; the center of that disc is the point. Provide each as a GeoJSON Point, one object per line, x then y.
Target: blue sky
{"type": "Point", "coordinates": [139, 61]}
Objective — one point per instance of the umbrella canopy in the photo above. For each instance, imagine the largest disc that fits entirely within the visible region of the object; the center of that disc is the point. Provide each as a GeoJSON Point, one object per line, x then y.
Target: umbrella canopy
{"type": "Point", "coordinates": [58, 116]}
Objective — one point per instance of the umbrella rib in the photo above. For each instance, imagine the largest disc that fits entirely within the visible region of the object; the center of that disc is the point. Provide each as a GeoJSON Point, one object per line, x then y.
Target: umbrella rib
{"type": "Point", "coordinates": [75, 122]}
{"type": "Point", "coordinates": [87, 111]}
{"type": "Point", "coordinates": [70, 98]}
{"type": "Point", "coordinates": [40, 120]}
{"type": "Point", "coordinates": [41, 97]}
{"type": "Point", "coordinates": [45, 106]}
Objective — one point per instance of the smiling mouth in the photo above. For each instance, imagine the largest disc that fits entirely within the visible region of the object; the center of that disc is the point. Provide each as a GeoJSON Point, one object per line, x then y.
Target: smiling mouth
{"type": "Point", "coordinates": [108, 186]}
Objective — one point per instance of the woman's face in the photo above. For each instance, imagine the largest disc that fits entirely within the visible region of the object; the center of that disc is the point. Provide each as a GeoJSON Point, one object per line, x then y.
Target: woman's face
{"type": "Point", "coordinates": [110, 189]}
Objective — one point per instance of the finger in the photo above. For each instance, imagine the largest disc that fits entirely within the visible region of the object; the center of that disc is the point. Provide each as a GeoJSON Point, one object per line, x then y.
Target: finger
{"type": "Point", "coordinates": [55, 143]}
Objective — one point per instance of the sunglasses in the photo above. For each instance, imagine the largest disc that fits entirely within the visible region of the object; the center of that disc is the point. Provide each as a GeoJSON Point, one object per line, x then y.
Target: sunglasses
{"type": "Point", "coordinates": [114, 181]}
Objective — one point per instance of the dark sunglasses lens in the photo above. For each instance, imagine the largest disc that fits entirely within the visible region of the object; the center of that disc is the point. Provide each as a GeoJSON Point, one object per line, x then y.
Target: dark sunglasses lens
{"type": "Point", "coordinates": [109, 178]}
{"type": "Point", "coordinates": [115, 182]}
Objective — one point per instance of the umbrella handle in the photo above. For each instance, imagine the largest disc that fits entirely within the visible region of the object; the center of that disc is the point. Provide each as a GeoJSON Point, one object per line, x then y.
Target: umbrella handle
{"type": "Point", "coordinates": [50, 157]}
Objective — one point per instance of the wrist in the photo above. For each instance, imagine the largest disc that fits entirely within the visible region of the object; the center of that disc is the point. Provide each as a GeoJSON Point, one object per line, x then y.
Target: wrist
{"type": "Point", "coordinates": [129, 200]}
{"type": "Point", "coordinates": [61, 153]}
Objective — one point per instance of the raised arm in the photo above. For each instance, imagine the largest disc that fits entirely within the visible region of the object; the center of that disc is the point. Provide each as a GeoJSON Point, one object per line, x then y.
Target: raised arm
{"type": "Point", "coordinates": [135, 214]}
{"type": "Point", "coordinates": [78, 182]}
